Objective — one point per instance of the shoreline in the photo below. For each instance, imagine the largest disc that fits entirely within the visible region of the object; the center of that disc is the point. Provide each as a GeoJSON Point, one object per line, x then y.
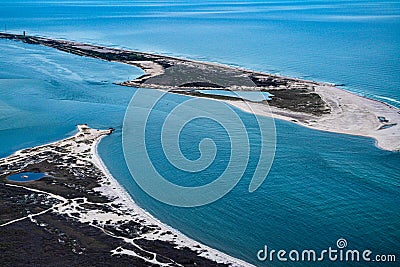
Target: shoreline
{"type": "Point", "coordinates": [81, 210]}
{"type": "Point", "coordinates": [385, 138]}
{"type": "Point", "coordinates": [317, 105]}
{"type": "Point", "coordinates": [127, 199]}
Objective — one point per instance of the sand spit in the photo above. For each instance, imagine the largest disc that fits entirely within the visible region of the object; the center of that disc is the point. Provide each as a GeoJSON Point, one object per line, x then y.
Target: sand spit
{"type": "Point", "coordinates": [350, 114]}
{"type": "Point", "coordinates": [80, 209]}
{"type": "Point", "coordinates": [315, 105]}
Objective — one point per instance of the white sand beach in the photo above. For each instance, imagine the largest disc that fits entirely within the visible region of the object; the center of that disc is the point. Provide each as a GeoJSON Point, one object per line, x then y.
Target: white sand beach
{"type": "Point", "coordinates": [350, 114]}
{"type": "Point", "coordinates": [110, 187]}
{"type": "Point", "coordinates": [79, 154]}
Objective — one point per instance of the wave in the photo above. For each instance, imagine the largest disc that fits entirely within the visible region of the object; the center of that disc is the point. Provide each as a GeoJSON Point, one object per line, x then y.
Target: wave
{"type": "Point", "coordinates": [387, 98]}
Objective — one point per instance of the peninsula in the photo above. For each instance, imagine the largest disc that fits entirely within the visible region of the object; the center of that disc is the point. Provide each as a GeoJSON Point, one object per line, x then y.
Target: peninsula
{"type": "Point", "coordinates": [312, 104]}
{"type": "Point", "coordinates": [76, 214]}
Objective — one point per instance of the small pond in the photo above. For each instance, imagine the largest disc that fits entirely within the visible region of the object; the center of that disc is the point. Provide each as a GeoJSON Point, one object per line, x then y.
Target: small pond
{"type": "Point", "coordinates": [26, 176]}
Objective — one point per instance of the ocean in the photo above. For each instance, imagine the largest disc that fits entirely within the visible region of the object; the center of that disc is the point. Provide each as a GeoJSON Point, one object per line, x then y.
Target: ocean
{"type": "Point", "coordinates": [321, 187]}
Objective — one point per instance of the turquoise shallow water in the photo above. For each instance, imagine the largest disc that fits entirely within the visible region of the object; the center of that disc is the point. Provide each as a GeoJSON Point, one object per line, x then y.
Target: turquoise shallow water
{"type": "Point", "coordinates": [321, 187]}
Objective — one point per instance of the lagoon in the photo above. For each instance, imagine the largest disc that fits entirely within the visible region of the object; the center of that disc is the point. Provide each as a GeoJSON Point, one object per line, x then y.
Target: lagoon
{"type": "Point", "coordinates": [247, 95]}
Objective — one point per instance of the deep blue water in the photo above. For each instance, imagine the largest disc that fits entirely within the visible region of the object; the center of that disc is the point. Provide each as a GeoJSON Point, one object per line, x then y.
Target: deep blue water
{"type": "Point", "coordinates": [26, 176]}
{"type": "Point", "coordinates": [322, 186]}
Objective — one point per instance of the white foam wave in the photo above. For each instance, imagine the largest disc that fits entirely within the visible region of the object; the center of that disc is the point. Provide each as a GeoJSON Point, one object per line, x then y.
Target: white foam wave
{"type": "Point", "coordinates": [387, 98]}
